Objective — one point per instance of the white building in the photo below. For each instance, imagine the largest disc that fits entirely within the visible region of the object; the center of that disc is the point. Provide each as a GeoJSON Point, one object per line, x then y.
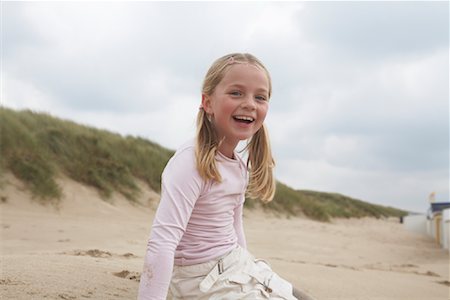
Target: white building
{"type": "Point", "coordinates": [438, 223]}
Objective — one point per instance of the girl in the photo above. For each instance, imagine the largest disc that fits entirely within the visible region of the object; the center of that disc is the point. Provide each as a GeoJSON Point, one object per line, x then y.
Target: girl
{"type": "Point", "coordinates": [197, 246]}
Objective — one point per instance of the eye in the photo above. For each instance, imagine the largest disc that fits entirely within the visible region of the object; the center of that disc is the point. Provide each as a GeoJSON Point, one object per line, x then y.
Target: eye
{"type": "Point", "coordinates": [236, 93]}
{"type": "Point", "coordinates": [261, 98]}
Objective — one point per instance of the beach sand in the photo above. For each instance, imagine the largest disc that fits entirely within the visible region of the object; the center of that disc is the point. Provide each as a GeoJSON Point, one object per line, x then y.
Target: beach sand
{"type": "Point", "coordinates": [88, 248]}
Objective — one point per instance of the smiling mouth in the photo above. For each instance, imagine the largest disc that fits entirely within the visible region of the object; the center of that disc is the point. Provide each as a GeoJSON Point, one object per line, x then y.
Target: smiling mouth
{"type": "Point", "coordinates": [244, 119]}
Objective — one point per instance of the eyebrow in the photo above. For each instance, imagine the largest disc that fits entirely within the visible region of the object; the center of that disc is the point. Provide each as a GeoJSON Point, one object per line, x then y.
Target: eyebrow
{"type": "Point", "coordinates": [263, 90]}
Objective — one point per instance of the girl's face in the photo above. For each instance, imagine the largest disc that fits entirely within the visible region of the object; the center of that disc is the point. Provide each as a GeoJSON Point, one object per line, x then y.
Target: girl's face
{"type": "Point", "coordinates": [239, 103]}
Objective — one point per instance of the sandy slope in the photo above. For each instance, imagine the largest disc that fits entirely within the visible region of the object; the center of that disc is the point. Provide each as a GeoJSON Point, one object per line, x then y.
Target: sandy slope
{"type": "Point", "coordinates": [92, 249]}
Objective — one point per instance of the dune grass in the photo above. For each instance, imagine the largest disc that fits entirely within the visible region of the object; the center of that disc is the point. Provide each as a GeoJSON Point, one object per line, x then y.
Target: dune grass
{"type": "Point", "coordinates": [37, 148]}
{"type": "Point", "coordinates": [324, 206]}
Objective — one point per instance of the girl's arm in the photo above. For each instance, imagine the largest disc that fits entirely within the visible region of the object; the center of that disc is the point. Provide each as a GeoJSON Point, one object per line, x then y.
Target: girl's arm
{"type": "Point", "coordinates": [180, 189]}
{"type": "Point", "coordinates": [238, 224]}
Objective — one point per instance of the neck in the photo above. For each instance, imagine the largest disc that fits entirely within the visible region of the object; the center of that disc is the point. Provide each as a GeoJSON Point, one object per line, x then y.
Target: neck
{"type": "Point", "coordinates": [227, 148]}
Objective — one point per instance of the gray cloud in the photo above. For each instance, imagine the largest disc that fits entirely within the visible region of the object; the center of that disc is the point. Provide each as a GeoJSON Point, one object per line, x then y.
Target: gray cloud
{"type": "Point", "coordinates": [377, 30]}
{"type": "Point", "coordinates": [360, 88]}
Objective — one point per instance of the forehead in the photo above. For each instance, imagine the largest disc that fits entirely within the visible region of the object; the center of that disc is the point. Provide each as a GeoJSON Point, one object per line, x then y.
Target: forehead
{"type": "Point", "coordinates": [246, 74]}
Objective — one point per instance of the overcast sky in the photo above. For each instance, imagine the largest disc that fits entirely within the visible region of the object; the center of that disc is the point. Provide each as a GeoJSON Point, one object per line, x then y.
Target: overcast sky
{"type": "Point", "coordinates": [360, 100]}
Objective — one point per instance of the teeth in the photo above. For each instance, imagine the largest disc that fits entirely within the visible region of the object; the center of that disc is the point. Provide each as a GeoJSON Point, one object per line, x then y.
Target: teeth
{"type": "Point", "coordinates": [245, 118]}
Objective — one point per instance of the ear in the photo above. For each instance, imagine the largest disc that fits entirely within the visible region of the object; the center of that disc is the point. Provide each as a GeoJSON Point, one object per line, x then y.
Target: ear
{"type": "Point", "coordinates": [206, 104]}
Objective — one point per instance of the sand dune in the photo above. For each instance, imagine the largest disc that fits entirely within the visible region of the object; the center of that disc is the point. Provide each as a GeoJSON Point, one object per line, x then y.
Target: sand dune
{"type": "Point", "coordinates": [88, 248]}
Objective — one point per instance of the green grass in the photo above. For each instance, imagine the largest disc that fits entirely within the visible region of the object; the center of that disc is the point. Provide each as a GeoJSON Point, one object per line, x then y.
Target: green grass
{"type": "Point", "coordinates": [323, 206]}
{"type": "Point", "coordinates": [37, 148]}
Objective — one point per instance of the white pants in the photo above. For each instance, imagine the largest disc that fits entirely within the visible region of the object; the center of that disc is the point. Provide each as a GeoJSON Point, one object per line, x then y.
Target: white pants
{"type": "Point", "coordinates": [237, 275]}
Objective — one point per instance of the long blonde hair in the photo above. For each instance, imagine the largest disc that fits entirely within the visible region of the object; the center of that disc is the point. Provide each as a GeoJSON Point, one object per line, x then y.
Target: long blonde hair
{"type": "Point", "coordinates": [260, 161]}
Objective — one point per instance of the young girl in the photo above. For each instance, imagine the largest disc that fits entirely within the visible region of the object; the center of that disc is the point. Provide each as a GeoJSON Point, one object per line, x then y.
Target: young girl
{"type": "Point", "coordinates": [197, 246]}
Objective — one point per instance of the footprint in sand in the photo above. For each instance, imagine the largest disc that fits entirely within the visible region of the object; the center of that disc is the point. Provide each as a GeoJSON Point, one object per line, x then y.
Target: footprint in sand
{"type": "Point", "coordinates": [96, 253]}
{"type": "Point", "coordinates": [63, 240]}
{"type": "Point", "coordinates": [129, 255]}
{"type": "Point", "coordinates": [89, 294]}
{"type": "Point", "coordinates": [403, 268]}
{"type": "Point", "coordinates": [408, 266]}
{"type": "Point", "coordinates": [66, 296]}
{"type": "Point", "coordinates": [445, 282]}
{"type": "Point", "coordinates": [8, 281]}
{"type": "Point", "coordinates": [128, 275]}
{"type": "Point", "coordinates": [91, 252]}
{"type": "Point", "coordinates": [429, 273]}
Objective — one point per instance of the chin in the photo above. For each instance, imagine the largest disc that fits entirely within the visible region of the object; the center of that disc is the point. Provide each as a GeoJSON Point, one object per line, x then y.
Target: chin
{"type": "Point", "coordinates": [244, 137]}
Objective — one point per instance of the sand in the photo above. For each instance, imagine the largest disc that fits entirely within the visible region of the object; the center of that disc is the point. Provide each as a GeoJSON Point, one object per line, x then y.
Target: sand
{"type": "Point", "coordinates": [88, 248]}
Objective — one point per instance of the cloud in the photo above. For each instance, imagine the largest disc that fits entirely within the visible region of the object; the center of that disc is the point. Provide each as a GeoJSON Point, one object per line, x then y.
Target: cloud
{"type": "Point", "coordinates": [377, 30]}
{"type": "Point", "coordinates": [408, 190]}
{"type": "Point", "coordinates": [360, 88]}
{"type": "Point", "coordinates": [164, 126]}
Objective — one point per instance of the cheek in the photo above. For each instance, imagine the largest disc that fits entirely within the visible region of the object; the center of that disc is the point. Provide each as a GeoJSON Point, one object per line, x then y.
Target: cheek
{"type": "Point", "coordinates": [262, 112]}
{"type": "Point", "coordinates": [229, 107]}
{"type": "Point", "coordinates": [223, 107]}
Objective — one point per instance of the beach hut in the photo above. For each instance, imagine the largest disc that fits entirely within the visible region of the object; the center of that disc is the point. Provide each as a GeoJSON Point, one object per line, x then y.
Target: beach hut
{"type": "Point", "coordinates": [446, 228]}
{"type": "Point", "coordinates": [438, 222]}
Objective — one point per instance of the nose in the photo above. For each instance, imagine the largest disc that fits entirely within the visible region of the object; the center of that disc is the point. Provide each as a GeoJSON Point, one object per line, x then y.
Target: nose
{"type": "Point", "coordinates": [249, 103]}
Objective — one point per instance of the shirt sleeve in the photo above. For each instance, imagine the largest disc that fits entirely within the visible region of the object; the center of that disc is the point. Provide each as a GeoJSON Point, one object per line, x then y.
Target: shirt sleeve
{"type": "Point", "coordinates": [180, 189]}
{"type": "Point", "coordinates": [239, 226]}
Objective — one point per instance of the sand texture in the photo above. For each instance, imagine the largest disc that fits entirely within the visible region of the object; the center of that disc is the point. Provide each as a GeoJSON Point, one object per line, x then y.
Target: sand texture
{"type": "Point", "coordinates": [88, 248]}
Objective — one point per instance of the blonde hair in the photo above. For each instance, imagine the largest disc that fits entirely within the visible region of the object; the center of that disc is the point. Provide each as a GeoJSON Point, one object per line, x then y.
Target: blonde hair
{"type": "Point", "coordinates": [260, 161]}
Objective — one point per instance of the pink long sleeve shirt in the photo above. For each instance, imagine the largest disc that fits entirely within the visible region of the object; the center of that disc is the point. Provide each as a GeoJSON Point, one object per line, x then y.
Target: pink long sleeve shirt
{"type": "Point", "coordinates": [196, 220]}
